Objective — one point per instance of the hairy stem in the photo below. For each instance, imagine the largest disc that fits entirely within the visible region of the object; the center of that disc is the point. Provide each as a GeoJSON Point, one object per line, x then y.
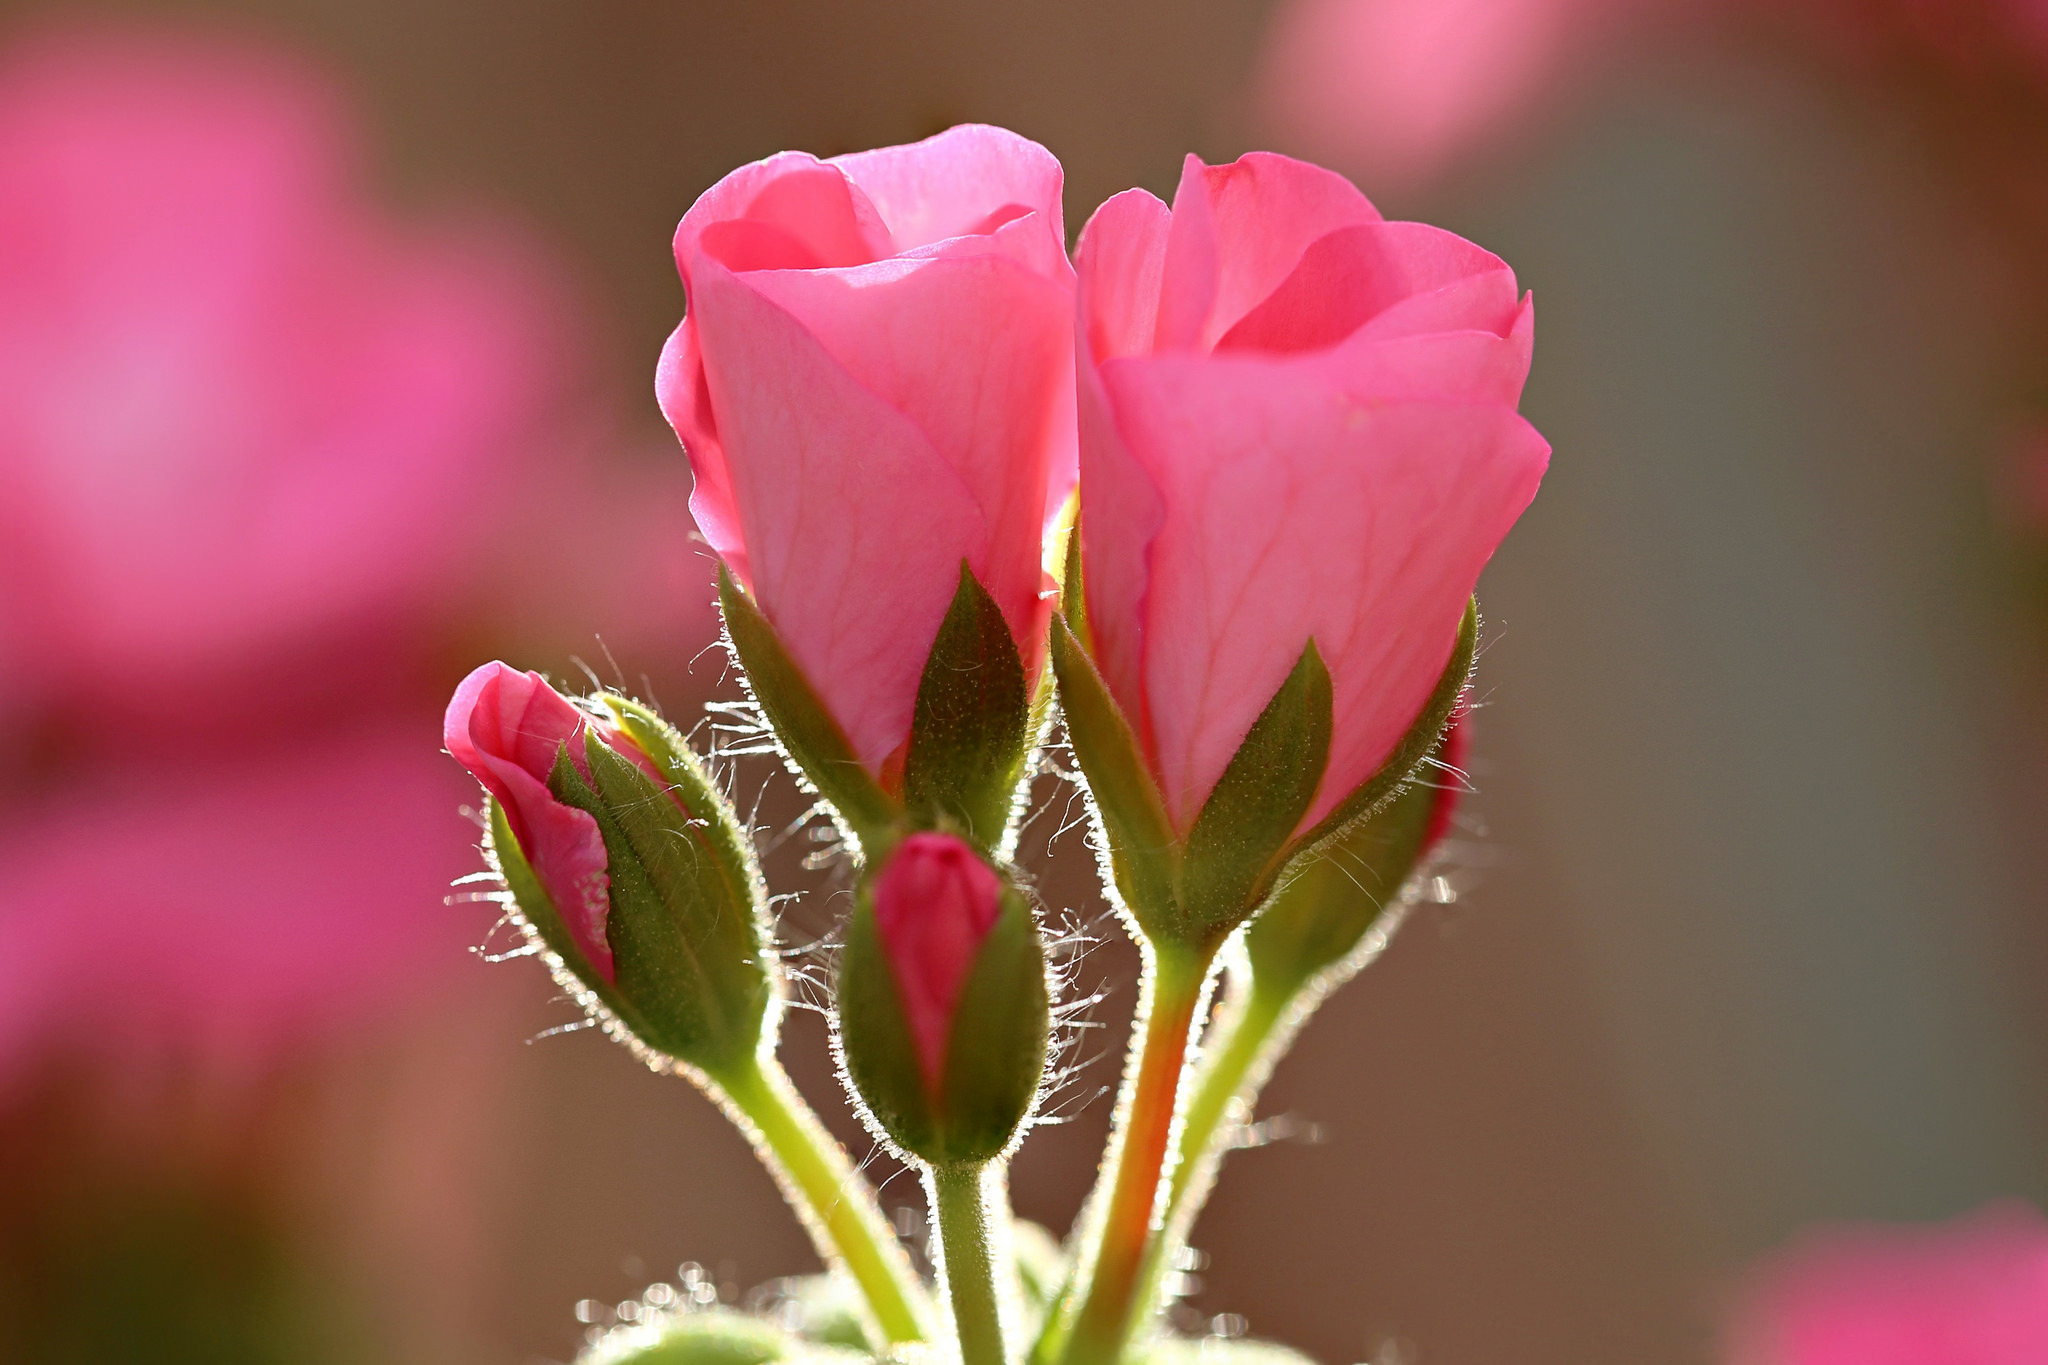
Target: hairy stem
{"type": "Point", "coordinates": [836, 1205]}
{"type": "Point", "coordinates": [1250, 1035]}
{"type": "Point", "coordinates": [968, 1257]}
{"type": "Point", "coordinates": [1104, 1305]}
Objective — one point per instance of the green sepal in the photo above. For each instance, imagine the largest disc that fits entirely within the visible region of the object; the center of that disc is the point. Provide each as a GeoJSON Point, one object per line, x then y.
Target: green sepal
{"type": "Point", "coordinates": [688, 939]}
{"type": "Point", "coordinates": [713, 1336]}
{"type": "Point", "coordinates": [811, 739]}
{"type": "Point", "coordinates": [874, 1042]}
{"type": "Point", "coordinates": [1143, 853]}
{"type": "Point", "coordinates": [1415, 745]}
{"type": "Point", "coordinates": [537, 909]}
{"type": "Point", "coordinates": [1323, 910]}
{"type": "Point", "coordinates": [1240, 840]}
{"type": "Point", "coordinates": [1073, 596]}
{"type": "Point", "coordinates": [995, 1055]}
{"type": "Point", "coordinates": [995, 1058]}
{"type": "Point", "coordinates": [972, 725]}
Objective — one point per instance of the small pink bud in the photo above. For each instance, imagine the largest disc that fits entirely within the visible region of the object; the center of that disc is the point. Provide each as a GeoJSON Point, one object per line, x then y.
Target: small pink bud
{"type": "Point", "coordinates": [935, 901]}
{"type": "Point", "coordinates": [506, 727]}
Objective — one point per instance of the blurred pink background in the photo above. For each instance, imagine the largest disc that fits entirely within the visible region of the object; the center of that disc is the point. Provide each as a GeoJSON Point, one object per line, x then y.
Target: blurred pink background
{"type": "Point", "coordinates": [326, 343]}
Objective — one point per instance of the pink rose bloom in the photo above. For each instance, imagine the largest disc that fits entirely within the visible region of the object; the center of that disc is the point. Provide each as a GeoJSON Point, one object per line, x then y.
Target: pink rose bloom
{"type": "Point", "coordinates": [248, 423]}
{"type": "Point", "coordinates": [507, 727]}
{"type": "Point", "coordinates": [1297, 421]}
{"type": "Point", "coordinates": [935, 902]}
{"type": "Point", "coordinates": [1973, 1292]}
{"type": "Point", "coordinates": [874, 382]}
{"type": "Point", "coordinates": [229, 912]}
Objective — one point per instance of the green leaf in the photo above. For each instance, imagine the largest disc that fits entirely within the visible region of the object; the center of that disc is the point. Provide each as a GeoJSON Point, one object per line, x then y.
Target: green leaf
{"type": "Point", "coordinates": [815, 745]}
{"type": "Point", "coordinates": [1240, 839]}
{"type": "Point", "coordinates": [1422, 737]}
{"type": "Point", "coordinates": [823, 1309]}
{"type": "Point", "coordinates": [716, 1336]}
{"type": "Point", "coordinates": [972, 724]}
{"type": "Point", "coordinates": [1143, 852]}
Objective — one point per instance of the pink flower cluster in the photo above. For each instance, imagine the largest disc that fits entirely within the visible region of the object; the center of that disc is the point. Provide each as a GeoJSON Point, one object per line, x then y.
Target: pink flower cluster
{"type": "Point", "coordinates": [1289, 419]}
{"type": "Point", "coordinates": [253, 432]}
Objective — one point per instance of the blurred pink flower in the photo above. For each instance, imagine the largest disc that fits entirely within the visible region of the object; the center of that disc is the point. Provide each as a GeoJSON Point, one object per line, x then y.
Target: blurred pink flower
{"type": "Point", "coordinates": [875, 383]}
{"type": "Point", "coordinates": [225, 914]}
{"type": "Point", "coordinates": [1297, 422]}
{"type": "Point", "coordinates": [1972, 1292]}
{"type": "Point", "coordinates": [1398, 91]}
{"type": "Point", "coordinates": [1393, 90]}
{"type": "Point", "coordinates": [249, 424]}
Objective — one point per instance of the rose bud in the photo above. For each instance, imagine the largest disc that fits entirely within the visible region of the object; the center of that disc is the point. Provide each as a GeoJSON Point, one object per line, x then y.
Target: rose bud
{"type": "Point", "coordinates": [626, 863]}
{"type": "Point", "coordinates": [874, 384]}
{"type": "Point", "coordinates": [1299, 448]}
{"type": "Point", "coordinates": [1332, 915]}
{"type": "Point", "coordinates": [943, 1006]}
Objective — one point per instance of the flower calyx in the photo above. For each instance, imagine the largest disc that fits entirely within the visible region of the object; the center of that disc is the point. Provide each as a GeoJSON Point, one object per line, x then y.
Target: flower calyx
{"type": "Point", "coordinates": [977, 718]}
{"type": "Point", "coordinates": [1196, 886]}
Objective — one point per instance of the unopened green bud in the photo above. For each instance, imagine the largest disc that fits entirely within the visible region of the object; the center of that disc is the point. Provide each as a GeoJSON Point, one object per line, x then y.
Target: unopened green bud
{"type": "Point", "coordinates": [943, 1007]}
{"type": "Point", "coordinates": [627, 864]}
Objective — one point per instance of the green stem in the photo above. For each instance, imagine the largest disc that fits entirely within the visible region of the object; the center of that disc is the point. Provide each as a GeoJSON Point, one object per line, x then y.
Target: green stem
{"type": "Point", "coordinates": [1251, 1035]}
{"type": "Point", "coordinates": [836, 1206]}
{"type": "Point", "coordinates": [1127, 1201]}
{"type": "Point", "coordinates": [967, 1258]}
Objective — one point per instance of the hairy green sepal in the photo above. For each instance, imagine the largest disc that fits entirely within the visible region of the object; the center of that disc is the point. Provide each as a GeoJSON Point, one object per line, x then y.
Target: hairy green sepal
{"type": "Point", "coordinates": [537, 909]}
{"type": "Point", "coordinates": [972, 725]}
{"type": "Point", "coordinates": [1198, 889]}
{"type": "Point", "coordinates": [811, 738]}
{"type": "Point", "coordinates": [1241, 837]}
{"type": "Point", "coordinates": [995, 1054]}
{"type": "Point", "coordinates": [1144, 856]}
{"type": "Point", "coordinates": [1321, 913]}
{"type": "Point", "coordinates": [688, 937]}
{"type": "Point", "coordinates": [1415, 745]}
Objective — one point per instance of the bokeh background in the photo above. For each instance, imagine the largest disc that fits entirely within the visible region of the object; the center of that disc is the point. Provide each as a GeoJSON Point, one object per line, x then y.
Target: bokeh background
{"type": "Point", "coordinates": [326, 341]}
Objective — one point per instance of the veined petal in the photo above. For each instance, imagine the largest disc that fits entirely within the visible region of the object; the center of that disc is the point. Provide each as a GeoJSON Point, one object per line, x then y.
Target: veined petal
{"type": "Point", "coordinates": [956, 182]}
{"type": "Point", "coordinates": [857, 526]}
{"type": "Point", "coordinates": [1291, 511]}
{"type": "Point", "coordinates": [976, 351]}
